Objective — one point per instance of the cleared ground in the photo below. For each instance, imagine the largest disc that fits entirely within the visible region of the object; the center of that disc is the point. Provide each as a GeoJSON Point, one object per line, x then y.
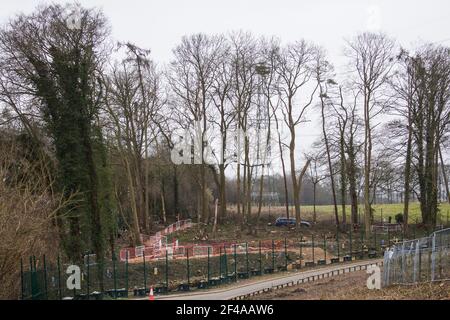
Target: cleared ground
{"type": "Point", "coordinates": [352, 286]}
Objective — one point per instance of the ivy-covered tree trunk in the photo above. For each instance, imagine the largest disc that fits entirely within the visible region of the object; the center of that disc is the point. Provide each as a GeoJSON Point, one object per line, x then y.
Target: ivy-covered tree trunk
{"type": "Point", "coordinates": [58, 67]}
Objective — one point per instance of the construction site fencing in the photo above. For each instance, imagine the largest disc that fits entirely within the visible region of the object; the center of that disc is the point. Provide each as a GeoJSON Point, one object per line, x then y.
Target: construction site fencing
{"type": "Point", "coordinates": [419, 260]}
{"type": "Point", "coordinates": [173, 267]}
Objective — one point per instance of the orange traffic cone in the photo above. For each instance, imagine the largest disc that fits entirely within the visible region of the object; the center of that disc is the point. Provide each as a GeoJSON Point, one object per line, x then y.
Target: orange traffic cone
{"type": "Point", "coordinates": [151, 297]}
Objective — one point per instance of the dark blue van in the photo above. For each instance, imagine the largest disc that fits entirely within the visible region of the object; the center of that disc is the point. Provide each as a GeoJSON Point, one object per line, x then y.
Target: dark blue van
{"type": "Point", "coordinates": [281, 222]}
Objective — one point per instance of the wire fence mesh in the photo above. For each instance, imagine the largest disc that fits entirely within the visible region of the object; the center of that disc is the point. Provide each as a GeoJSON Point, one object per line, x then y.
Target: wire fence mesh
{"type": "Point", "coordinates": [419, 260]}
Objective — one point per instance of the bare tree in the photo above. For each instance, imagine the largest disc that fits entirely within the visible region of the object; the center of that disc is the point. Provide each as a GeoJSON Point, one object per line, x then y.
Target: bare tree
{"type": "Point", "coordinates": [444, 174]}
{"type": "Point", "coordinates": [193, 72]}
{"type": "Point", "coordinates": [322, 71]}
{"type": "Point", "coordinates": [28, 210]}
{"type": "Point", "coordinates": [403, 84]}
{"type": "Point", "coordinates": [133, 99]}
{"type": "Point", "coordinates": [371, 59]}
{"type": "Point", "coordinates": [266, 69]}
{"type": "Point", "coordinates": [243, 57]}
{"type": "Point", "coordinates": [352, 148]}
{"type": "Point", "coordinates": [295, 71]}
{"type": "Point", "coordinates": [221, 91]}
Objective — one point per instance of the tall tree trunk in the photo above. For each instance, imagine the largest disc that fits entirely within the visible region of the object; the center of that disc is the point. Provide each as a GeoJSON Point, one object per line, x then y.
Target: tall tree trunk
{"type": "Point", "coordinates": [244, 185]}
{"type": "Point", "coordinates": [407, 176]}
{"type": "Point", "coordinates": [135, 234]}
{"type": "Point", "coordinates": [238, 192]}
{"type": "Point", "coordinates": [299, 185]}
{"type": "Point", "coordinates": [283, 167]}
{"type": "Point", "coordinates": [367, 165]}
{"type": "Point", "coordinates": [264, 164]}
{"type": "Point", "coordinates": [286, 192]}
{"type": "Point", "coordinates": [330, 167]}
{"type": "Point", "coordinates": [163, 204]}
{"type": "Point", "coordinates": [146, 199]}
{"type": "Point", "coordinates": [314, 203]}
{"type": "Point", "coordinates": [175, 191]}
{"type": "Point", "coordinates": [202, 213]}
{"type": "Point", "coordinates": [444, 174]}
{"type": "Point", "coordinates": [222, 193]}
{"type": "Point", "coordinates": [261, 188]}
{"type": "Point", "coordinates": [343, 181]}
{"type": "Point", "coordinates": [248, 199]}
{"type": "Point", "coordinates": [295, 187]}
{"type": "Point", "coordinates": [352, 184]}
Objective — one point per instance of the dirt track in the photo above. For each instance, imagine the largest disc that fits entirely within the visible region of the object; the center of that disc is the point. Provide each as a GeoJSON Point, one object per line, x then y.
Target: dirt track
{"type": "Point", "coordinates": [352, 286]}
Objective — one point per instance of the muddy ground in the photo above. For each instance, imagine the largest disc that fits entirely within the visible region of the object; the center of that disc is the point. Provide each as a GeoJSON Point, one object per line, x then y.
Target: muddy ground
{"type": "Point", "coordinates": [352, 286]}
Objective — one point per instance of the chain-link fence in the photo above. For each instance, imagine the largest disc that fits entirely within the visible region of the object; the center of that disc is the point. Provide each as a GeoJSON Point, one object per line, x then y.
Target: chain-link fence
{"type": "Point", "coordinates": [419, 260]}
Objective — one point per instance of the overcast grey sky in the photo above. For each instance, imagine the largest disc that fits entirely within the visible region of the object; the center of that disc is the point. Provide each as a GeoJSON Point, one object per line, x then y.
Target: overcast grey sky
{"type": "Point", "coordinates": [159, 25]}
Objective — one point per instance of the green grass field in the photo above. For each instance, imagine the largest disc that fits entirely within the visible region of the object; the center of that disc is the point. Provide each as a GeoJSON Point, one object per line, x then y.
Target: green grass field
{"type": "Point", "coordinates": [325, 212]}
{"type": "Point", "coordinates": [384, 210]}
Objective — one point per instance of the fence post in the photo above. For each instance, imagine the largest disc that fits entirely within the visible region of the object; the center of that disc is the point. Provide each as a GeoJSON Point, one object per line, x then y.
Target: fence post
{"type": "Point", "coordinates": [220, 263]}
{"type": "Point", "coordinates": [361, 256]}
{"type": "Point", "coordinates": [59, 279]}
{"type": "Point", "coordinates": [145, 272]}
{"type": "Point", "coordinates": [273, 255]}
{"type": "Point", "coordinates": [285, 254]}
{"type": "Point", "coordinates": [87, 277]}
{"type": "Point", "coordinates": [126, 271]}
{"type": "Point", "coordinates": [225, 261]}
{"type": "Point", "coordinates": [351, 247]}
{"type": "Point", "coordinates": [403, 262]}
{"type": "Point", "coordinates": [416, 260]}
{"type": "Point", "coordinates": [114, 275]}
{"type": "Point", "coordinates": [167, 271]}
{"type": "Point", "coordinates": [433, 257]}
{"type": "Point", "coordinates": [338, 246]}
{"type": "Point", "coordinates": [312, 240]}
{"type": "Point", "coordinates": [386, 266]}
{"type": "Point", "coordinates": [235, 263]}
{"type": "Point", "coordinates": [389, 238]}
{"type": "Point", "coordinates": [209, 266]}
{"type": "Point", "coordinates": [34, 272]}
{"type": "Point", "coordinates": [45, 278]}
{"type": "Point", "coordinates": [325, 248]}
{"type": "Point", "coordinates": [21, 279]}
{"type": "Point", "coordinates": [31, 277]}
{"type": "Point", "coordinates": [246, 257]}
{"type": "Point", "coordinates": [301, 250]}
{"type": "Point", "coordinates": [187, 266]}
{"type": "Point", "coordinates": [260, 259]}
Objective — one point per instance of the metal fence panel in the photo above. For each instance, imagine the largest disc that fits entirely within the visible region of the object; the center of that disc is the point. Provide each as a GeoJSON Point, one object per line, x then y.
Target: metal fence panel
{"type": "Point", "coordinates": [419, 260]}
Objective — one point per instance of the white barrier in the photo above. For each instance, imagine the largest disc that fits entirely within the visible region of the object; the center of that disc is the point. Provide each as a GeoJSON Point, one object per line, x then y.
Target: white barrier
{"type": "Point", "coordinates": [156, 243]}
